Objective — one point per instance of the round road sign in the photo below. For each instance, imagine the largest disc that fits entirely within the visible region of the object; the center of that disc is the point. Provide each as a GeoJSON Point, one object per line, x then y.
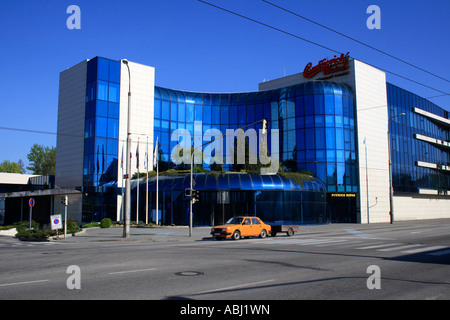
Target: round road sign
{"type": "Point", "coordinates": [31, 202]}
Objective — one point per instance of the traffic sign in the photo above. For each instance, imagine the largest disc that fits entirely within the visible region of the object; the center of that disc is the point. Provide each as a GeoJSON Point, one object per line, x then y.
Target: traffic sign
{"type": "Point", "coordinates": [56, 221]}
{"type": "Point", "coordinates": [31, 202]}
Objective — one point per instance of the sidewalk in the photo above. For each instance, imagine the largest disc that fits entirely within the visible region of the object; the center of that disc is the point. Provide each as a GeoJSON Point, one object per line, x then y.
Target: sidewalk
{"type": "Point", "coordinates": [181, 233]}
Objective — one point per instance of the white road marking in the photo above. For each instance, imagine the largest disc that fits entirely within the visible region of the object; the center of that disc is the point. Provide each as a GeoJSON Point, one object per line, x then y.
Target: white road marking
{"type": "Point", "coordinates": [424, 249]}
{"type": "Point", "coordinates": [239, 286]}
{"type": "Point", "coordinates": [400, 248]}
{"type": "Point", "coordinates": [25, 282]}
{"type": "Point", "coordinates": [132, 271]}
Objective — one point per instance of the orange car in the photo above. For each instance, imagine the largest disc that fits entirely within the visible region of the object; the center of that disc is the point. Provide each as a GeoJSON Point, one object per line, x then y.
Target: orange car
{"type": "Point", "coordinates": [238, 227]}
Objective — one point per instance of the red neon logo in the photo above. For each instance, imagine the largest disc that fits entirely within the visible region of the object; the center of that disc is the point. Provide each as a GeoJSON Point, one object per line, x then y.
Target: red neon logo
{"type": "Point", "coordinates": [327, 66]}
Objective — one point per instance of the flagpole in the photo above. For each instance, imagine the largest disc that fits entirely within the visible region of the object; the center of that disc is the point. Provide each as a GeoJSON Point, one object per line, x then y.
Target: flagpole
{"type": "Point", "coordinates": [155, 159]}
{"type": "Point", "coordinates": [137, 188]}
{"type": "Point", "coordinates": [146, 184]}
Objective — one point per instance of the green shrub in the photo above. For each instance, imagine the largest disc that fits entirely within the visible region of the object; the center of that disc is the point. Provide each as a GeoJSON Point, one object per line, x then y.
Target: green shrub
{"type": "Point", "coordinates": [105, 223]}
{"type": "Point", "coordinates": [35, 234]}
{"type": "Point", "coordinates": [72, 226]}
{"type": "Point", "coordinates": [91, 225]}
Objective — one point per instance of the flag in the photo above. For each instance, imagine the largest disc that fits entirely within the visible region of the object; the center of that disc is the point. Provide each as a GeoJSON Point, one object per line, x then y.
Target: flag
{"type": "Point", "coordinates": [146, 156]}
{"type": "Point", "coordinates": [137, 155]}
{"type": "Point", "coordinates": [103, 158]}
{"type": "Point", "coordinates": [155, 153]}
{"type": "Point", "coordinates": [121, 159]}
{"type": "Point", "coordinates": [98, 163]}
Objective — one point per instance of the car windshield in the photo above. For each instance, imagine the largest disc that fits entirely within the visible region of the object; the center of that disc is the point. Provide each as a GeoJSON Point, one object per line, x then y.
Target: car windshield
{"type": "Point", "coordinates": [235, 221]}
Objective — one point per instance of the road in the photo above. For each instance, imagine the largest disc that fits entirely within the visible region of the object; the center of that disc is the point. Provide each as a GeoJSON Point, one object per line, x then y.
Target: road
{"type": "Point", "coordinates": [399, 261]}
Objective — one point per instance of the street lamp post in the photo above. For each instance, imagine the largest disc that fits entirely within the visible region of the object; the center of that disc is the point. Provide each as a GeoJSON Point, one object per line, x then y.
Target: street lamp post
{"type": "Point", "coordinates": [391, 187]}
{"type": "Point", "coordinates": [126, 224]}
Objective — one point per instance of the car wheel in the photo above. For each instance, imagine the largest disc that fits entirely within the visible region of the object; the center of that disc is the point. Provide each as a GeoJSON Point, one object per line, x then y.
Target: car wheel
{"type": "Point", "coordinates": [290, 232]}
{"type": "Point", "coordinates": [263, 234]}
{"type": "Point", "coordinates": [236, 235]}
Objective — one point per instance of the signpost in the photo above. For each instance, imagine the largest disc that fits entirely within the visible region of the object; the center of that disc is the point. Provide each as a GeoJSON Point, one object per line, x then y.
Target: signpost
{"type": "Point", "coordinates": [56, 222]}
{"type": "Point", "coordinates": [31, 203]}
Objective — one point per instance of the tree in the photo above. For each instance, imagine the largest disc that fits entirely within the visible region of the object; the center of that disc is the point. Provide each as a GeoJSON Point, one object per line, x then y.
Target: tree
{"type": "Point", "coordinates": [42, 159]}
{"type": "Point", "coordinates": [12, 167]}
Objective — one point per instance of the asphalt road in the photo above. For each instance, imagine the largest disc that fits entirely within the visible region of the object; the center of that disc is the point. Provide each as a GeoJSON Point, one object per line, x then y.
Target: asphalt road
{"type": "Point", "coordinates": [349, 262]}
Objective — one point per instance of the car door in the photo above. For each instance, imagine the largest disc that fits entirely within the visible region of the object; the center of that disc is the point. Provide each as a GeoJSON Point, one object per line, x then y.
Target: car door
{"type": "Point", "coordinates": [246, 227]}
{"type": "Point", "coordinates": [256, 227]}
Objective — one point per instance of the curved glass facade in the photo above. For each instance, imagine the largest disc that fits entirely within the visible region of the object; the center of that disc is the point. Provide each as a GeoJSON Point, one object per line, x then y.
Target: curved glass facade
{"type": "Point", "coordinates": [316, 123]}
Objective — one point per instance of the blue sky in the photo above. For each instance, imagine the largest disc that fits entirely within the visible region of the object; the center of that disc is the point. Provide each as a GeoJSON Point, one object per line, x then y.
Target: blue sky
{"type": "Point", "coordinates": [196, 47]}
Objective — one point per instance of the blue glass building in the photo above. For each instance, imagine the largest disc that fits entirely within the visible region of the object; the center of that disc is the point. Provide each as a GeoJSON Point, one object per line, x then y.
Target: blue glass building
{"type": "Point", "coordinates": [334, 128]}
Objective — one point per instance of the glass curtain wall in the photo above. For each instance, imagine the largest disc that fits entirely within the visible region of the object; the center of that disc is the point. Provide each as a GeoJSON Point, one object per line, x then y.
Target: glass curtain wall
{"type": "Point", "coordinates": [316, 122]}
{"type": "Point", "coordinates": [100, 136]}
{"type": "Point", "coordinates": [407, 176]}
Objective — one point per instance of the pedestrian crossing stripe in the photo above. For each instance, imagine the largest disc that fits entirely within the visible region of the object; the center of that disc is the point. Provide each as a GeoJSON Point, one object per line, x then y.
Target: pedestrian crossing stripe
{"type": "Point", "coordinates": [324, 242]}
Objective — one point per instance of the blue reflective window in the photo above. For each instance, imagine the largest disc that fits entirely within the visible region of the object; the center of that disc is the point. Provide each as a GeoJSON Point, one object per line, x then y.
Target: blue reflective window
{"type": "Point", "coordinates": [330, 138]}
{"type": "Point", "coordinates": [114, 92]}
{"type": "Point", "coordinates": [91, 91]}
{"type": "Point", "coordinates": [309, 122]}
{"type": "Point", "coordinates": [259, 114]}
{"type": "Point", "coordinates": [215, 115]}
{"type": "Point", "coordinates": [101, 108]}
{"type": "Point", "coordinates": [114, 71]}
{"type": "Point", "coordinates": [165, 125]}
{"type": "Point", "coordinates": [224, 115]}
{"type": "Point", "coordinates": [103, 69]}
{"type": "Point", "coordinates": [198, 113]}
{"type": "Point", "coordinates": [190, 113]}
{"type": "Point", "coordinates": [181, 112]}
{"type": "Point", "coordinates": [101, 127]}
{"type": "Point", "coordinates": [329, 121]}
{"type": "Point", "coordinates": [89, 146]}
{"type": "Point", "coordinates": [331, 156]}
{"type": "Point", "coordinates": [165, 109]}
{"type": "Point", "coordinates": [320, 138]}
{"type": "Point", "coordinates": [310, 138]}
{"type": "Point", "coordinates": [157, 109]}
{"type": "Point", "coordinates": [309, 105]}
{"type": "Point", "coordinates": [113, 128]}
{"type": "Point", "coordinates": [299, 106]}
{"type": "Point", "coordinates": [173, 111]}
{"type": "Point", "coordinates": [329, 104]}
{"type": "Point", "coordinates": [89, 127]}
{"type": "Point", "coordinates": [113, 110]}
{"type": "Point", "coordinates": [113, 147]}
{"type": "Point", "coordinates": [319, 104]}
{"type": "Point", "coordinates": [338, 104]}
{"type": "Point", "coordinates": [157, 125]}
{"type": "Point", "coordinates": [250, 114]}
{"type": "Point", "coordinates": [242, 115]}
{"type": "Point", "coordinates": [339, 121]}
{"type": "Point", "coordinates": [339, 138]}
{"type": "Point", "coordinates": [102, 90]}
{"type": "Point", "coordinates": [206, 114]}
{"type": "Point", "coordinates": [233, 115]}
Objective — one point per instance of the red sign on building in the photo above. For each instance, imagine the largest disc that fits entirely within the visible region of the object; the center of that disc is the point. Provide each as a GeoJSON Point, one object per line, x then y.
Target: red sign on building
{"type": "Point", "coordinates": [326, 66]}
